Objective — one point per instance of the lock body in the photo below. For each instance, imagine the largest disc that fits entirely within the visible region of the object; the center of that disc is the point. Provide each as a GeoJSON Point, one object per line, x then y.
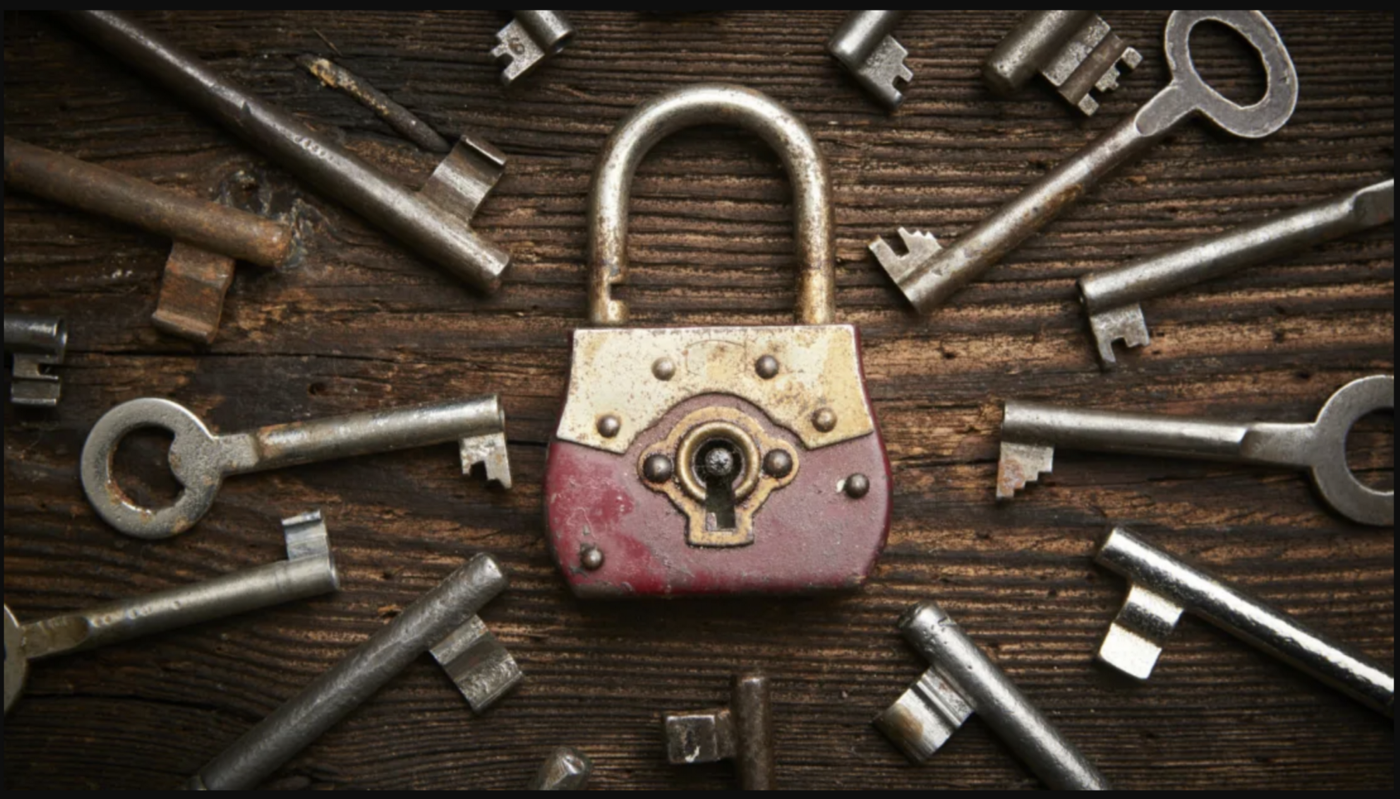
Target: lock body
{"type": "Point", "coordinates": [708, 461]}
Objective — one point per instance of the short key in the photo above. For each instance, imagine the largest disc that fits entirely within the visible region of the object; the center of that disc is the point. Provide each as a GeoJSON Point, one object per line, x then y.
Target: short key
{"type": "Point", "coordinates": [1031, 432]}
{"type": "Point", "coordinates": [742, 732]}
{"type": "Point", "coordinates": [929, 274]}
{"type": "Point", "coordinates": [35, 342]}
{"type": "Point", "coordinates": [528, 40]}
{"type": "Point", "coordinates": [1163, 587]}
{"type": "Point", "coordinates": [200, 460]}
{"type": "Point", "coordinates": [443, 621]}
{"type": "Point", "coordinates": [308, 571]}
{"type": "Point", "coordinates": [864, 45]}
{"type": "Point", "coordinates": [1111, 297]}
{"type": "Point", "coordinates": [963, 681]}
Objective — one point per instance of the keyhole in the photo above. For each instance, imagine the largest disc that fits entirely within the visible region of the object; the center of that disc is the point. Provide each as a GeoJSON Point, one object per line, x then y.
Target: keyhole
{"type": "Point", "coordinates": [718, 464]}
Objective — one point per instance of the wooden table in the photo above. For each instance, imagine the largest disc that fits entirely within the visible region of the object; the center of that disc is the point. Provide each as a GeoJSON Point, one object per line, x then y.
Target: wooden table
{"type": "Point", "coordinates": [362, 324]}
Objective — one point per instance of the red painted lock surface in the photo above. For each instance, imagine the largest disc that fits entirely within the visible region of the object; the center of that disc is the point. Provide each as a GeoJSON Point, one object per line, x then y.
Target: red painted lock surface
{"type": "Point", "coordinates": [719, 460]}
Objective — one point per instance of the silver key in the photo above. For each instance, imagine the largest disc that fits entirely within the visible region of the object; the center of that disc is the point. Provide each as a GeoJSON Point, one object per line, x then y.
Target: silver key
{"type": "Point", "coordinates": [442, 620]}
{"type": "Point", "coordinates": [200, 460]}
{"type": "Point", "coordinates": [528, 40]}
{"type": "Point", "coordinates": [928, 274]}
{"type": "Point", "coordinates": [308, 571]}
{"type": "Point", "coordinates": [863, 45]}
{"type": "Point", "coordinates": [1111, 298]}
{"type": "Point", "coordinates": [567, 769]}
{"type": "Point", "coordinates": [1075, 50]}
{"type": "Point", "coordinates": [964, 681]}
{"type": "Point", "coordinates": [35, 342]}
{"type": "Point", "coordinates": [1162, 588]}
{"type": "Point", "coordinates": [1031, 431]}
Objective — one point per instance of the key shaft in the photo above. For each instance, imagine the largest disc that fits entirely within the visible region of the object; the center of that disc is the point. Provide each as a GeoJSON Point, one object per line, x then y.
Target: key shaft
{"type": "Point", "coordinates": [1133, 647]}
{"type": "Point", "coordinates": [309, 571]}
{"type": "Point", "coordinates": [307, 716]}
{"type": "Point", "coordinates": [986, 689]}
{"type": "Point", "coordinates": [427, 222]}
{"type": "Point", "coordinates": [864, 44]}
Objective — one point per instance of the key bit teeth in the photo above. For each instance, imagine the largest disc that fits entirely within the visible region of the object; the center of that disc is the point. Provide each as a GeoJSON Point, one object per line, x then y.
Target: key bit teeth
{"type": "Point", "coordinates": [490, 452]}
{"type": "Point", "coordinates": [918, 248]}
{"type": "Point", "coordinates": [518, 50]}
{"type": "Point", "coordinates": [306, 536]}
{"type": "Point", "coordinates": [924, 718]}
{"type": "Point", "coordinates": [1134, 641]}
{"type": "Point", "coordinates": [1020, 465]}
{"type": "Point", "coordinates": [1126, 324]}
{"type": "Point", "coordinates": [884, 73]}
{"type": "Point", "coordinates": [479, 665]}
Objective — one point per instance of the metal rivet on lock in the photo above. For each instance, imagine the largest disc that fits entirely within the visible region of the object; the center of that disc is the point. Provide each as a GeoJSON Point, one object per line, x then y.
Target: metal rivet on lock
{"type": "Point", "coordinates": [591, 558]}
{"type": "Point", "coordinates": [664, 368]}
{"type": "Point", "coordinates": [733, 436]}
{"type": "Point", "coordinates": [857, 486]}
{"type": "Point", "coordinates": [609, 426]}
{"type": "Point", "coordinates": [777, 463]}
{"type": "Point", "coordinates": [658, 469]}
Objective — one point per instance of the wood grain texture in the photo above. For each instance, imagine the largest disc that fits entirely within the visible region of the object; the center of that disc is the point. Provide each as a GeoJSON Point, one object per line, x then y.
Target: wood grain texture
{"type": "Point", "coordinates": [362, 324]}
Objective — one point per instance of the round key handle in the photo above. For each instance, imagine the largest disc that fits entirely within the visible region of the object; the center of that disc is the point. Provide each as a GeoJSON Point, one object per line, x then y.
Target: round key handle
{"type": "Point", "coordinates": [1189, 93]}
{"type": "Point", "coordinates": [196, 461]}
{"type": "Point", "coordinates": [1327, 458]}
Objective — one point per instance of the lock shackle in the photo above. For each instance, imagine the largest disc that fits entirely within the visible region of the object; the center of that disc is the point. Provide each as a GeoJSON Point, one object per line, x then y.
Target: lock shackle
{"type": "Point", "coordinates": [712, 104]}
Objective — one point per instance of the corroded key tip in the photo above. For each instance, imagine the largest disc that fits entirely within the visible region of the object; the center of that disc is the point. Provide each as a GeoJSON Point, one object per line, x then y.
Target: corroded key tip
{"type": "Point", "coordinates": [742, 732]}
{"type": "Point", "coordinates": [529, 39]}
{"type": "Point", "coordinates": [35, 342]}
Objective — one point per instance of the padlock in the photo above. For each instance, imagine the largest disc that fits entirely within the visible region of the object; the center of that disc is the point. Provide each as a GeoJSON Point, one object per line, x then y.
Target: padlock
{"type": "Point", "coordinates": [715, 460]}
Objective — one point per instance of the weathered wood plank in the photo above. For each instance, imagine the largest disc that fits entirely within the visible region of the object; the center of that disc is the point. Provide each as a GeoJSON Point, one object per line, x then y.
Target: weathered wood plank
{"type": "Point", "coordinates": [361, 323]}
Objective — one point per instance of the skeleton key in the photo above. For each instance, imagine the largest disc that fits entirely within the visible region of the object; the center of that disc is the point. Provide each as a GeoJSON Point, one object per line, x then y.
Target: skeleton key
{"type": "Point", "coordinates": [201, 460]}
{"type": "Point", "coordinates": [1111, 298]}
{"type": "Point", "coordinates": [442, 621]}
{"type": "Point", "coordinates": [863, 44]}
{"type": "Point", "coordinates": [35, 342]}
{"type": "Point", "coordinates": [1031, 431]}
{"type": "Point", "coordinates": [1162, 588]}
{"type": "Point", "coordinates": [742, 732]}
{"type": "Point", "coordinates": [963, 681]}
{"type": "Point", "coordinates": [1075, 50]}
{"type": "Point", "coordinates": [928, 274]}
{"type": "Point", "coordinates": [308, 571]}
{"type": "Point", "coordinates": [528, 40]}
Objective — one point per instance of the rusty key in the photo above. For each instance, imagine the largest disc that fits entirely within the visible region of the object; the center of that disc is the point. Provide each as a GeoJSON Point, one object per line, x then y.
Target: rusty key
{"type": "Point", "coordinates": [742, 732]}
{"type": "Point", "coordinates": [434, 222]}
{"type": "Point", "coordinates": [208, 236]}
{"type": "Point", "coordinates": [928, 274]}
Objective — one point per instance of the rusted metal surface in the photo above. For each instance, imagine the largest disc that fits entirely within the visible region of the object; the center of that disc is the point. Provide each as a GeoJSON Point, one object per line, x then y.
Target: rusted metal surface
{"type": "Point", "coordinates": [399, 118]}
{"type": "Point", "coordinates": [99, 190]}
{"type": "Point", "coordinates": [742, 732]}
{"type": "Point", "coordinates": [615, 372]}
{"type": "Point", "coordinates": [431, 222]}
{"type": "Point", "coordinates": [712, 104]}
{"type": "Point", "coordinates": [1075, 50]}
{"type": "Point", "coordinates": [810, 536]}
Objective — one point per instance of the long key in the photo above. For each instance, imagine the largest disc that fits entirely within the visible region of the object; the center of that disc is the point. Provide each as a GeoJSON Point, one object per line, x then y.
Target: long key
{"type": "Point", "coordinates": [963, 681]}
{"type": "Point", "coordinates": [442, 621]}
{"type": "Point", "coordinates": [928, 274]}
{"type": "Point", "coordinates": [308, 571]}
{"type": "Point", "coordinates": [200, 460]}
{"type": "Point", "coordinates": [1031, 431]}
{"type": "Point", "coordinates": [1111, 298]}
{"type": "Point", "coordinates": [435, 221]}
{"type": "Point", "coordinates": [529, 39]}
{"type": "Point", "coordinates": [35, 342]}
{"type": "Point", "coordinates": [1163, 587]}
{"type": "Point", "coordinates": [864, 46]}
